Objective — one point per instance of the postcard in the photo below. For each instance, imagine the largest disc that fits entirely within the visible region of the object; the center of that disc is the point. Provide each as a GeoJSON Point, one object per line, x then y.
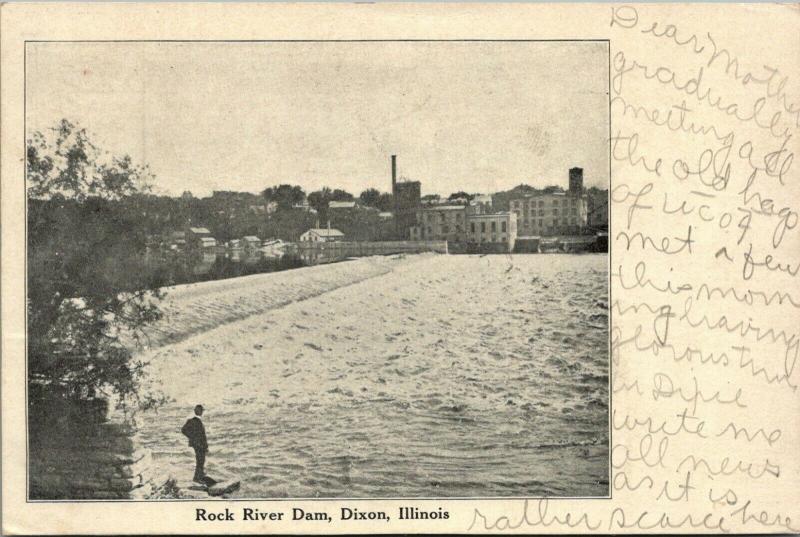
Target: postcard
{"type": "Point", "coordinates": [400, 268]}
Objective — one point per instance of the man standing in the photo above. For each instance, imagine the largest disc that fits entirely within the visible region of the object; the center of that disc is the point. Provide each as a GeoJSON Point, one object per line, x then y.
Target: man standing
{"type": "Point", "coordinates": [194, 430]}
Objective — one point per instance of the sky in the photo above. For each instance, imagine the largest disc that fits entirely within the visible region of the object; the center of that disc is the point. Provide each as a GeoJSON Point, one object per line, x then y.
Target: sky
{"type": "Point", "coordinates": [472, 116]}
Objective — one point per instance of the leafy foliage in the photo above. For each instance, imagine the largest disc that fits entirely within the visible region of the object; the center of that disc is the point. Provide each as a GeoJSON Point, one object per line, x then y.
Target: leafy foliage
{"type": "Point", "coordinates": [385, 202]}
{"type": "Point", "coordinates": [284, 195]}
{"type": "Point", "coordinates": [319, 199]}
{"type": "Point", "coordinates": [460, 195]}
{"type": "Point", "coordinates": [89, 291]}
{"type": "Point", "coordinates": [501, 200]}
{"type": "Point", "coordinates": [370, 197]}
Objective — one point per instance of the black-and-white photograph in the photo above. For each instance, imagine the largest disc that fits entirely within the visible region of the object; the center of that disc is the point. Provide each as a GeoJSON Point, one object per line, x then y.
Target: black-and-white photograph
{"type": "Point", "coordinates": [317, 269]}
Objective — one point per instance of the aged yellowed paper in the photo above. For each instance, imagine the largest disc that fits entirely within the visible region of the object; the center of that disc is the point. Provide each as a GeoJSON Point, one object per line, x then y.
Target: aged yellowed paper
{"type": "Point", "coordinates": [400, 268]}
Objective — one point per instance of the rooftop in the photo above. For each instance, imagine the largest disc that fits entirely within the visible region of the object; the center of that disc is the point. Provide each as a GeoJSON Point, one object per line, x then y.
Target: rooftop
{"type": "Point", "coordinates": [490, 215]}
{"type": "Point", "coordinates": [543, 194]}
{"type": "Point", "coordinates": [341, 205]}
{"type": "Point", "coordinates": [445, 208]}
{"type": "Point", "coordinates": [325, 232]}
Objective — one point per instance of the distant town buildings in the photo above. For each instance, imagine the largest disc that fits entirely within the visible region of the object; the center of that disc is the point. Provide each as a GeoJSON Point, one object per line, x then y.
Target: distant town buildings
{"type": "Point", "coordinates": [322, 235]}
{"type": "Point", "coordinates": [555, 213]}
{"type": "Point", "coordinates": [476, 225]}
{"type": "Point", "coordinates": [468, 222]}
{"type": "Point", "coordinates": [466, 225]}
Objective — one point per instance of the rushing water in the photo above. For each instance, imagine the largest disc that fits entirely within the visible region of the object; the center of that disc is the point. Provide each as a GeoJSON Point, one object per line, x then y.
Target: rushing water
{"type": "Point", "coordinates": [453, 376]}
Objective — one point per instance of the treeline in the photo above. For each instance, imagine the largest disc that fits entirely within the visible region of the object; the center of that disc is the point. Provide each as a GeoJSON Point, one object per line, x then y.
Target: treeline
{"type": "Point", "coordinates": [233, 215]}
{"type": "Point", "coordinates": [286, 211]}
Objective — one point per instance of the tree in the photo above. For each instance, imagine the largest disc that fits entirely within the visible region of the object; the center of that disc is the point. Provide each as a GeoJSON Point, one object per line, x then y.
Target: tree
{"type": "Point", "coordinates": [341, 195]}
{"type": "Point", "coordinates": [370, 197]}
{"type": "Point", "coordinates": [552, 189]}
{"type": "Point", "coordinates": [90, 292]}
{"type": "Point", "coordinates": [501, 200]}
{"type": "Point", "coordinates": [319, 199]}
{"type": "Point", "coordinates": [284, 195]}
{"type": "Point", "coordinates": [386, 202]}
{"type": "Point", "coordinates": [460, 195]}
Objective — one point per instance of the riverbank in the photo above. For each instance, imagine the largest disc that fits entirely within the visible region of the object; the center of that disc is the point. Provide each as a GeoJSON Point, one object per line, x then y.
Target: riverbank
{"type": "Point", "coordinates": [427, 375]}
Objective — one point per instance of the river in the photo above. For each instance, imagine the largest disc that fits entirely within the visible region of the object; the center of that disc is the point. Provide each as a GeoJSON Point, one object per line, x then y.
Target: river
{"type": "Point", "coordinates": [445, 376]}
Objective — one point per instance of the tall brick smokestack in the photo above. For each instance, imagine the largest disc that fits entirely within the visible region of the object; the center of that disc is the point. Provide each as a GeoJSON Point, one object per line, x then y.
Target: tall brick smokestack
{"type": "Point", "coordinates": [576, 181]}
{"type": "Point", "coordinates": [394, 192]}
{"type": "Point", "coordinates": [394, 174]}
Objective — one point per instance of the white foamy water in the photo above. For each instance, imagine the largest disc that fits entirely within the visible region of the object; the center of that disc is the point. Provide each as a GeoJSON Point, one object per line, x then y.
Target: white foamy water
{"type": "Point", "coordinates": [448, 376]}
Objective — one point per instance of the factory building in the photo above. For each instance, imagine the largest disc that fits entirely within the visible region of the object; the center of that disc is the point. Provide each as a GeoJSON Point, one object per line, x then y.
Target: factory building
{"type": "Point", "coordinates": [443, 222]}
{"type": "Point", "coordinates": [464, 225]}
{"type": "Point", "coordinates": [556, 213]}
{"type": "Point", "coordinates": [492, 232]}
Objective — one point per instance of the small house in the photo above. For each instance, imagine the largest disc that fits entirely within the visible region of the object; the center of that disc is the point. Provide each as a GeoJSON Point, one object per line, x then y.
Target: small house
{"type": "Point", "coordinates": [195, 237]}
{"type": "Point", "coordinates": [322, 235]}
{"type": "Point", "coordinates": [304, 206]}
{"type": "Point", "coordinates": [208, 242]}
{"type": "Point", "coordinates": [251, 242]}
{"type": "Point", "coordinates": [176, 240]}
{"type": "Point", "coordinates": [273, 248]}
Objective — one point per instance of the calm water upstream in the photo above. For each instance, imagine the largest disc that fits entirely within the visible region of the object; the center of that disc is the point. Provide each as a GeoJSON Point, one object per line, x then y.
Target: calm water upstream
{"type": "Point", "coordinates": [451, 376]}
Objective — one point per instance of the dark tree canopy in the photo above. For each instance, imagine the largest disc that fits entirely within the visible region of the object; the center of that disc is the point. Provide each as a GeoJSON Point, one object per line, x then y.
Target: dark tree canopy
{"type": "Point", "coordinates": [460, 195]}
{"type": "Point", "coordinates": [341, 195]}
{"type": "Point", "coordinates": [370, 197]}
{"type": "Point", "coordinates": [90, 292]}
{"type": "Point", "coordinates": [552, 189]}
{"type": "Point", "coordinates": [284, 195]}
{"type": "Point", "coordinates": [386, 202]}
{"type": "Point", "coordinates": [319, 199]}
